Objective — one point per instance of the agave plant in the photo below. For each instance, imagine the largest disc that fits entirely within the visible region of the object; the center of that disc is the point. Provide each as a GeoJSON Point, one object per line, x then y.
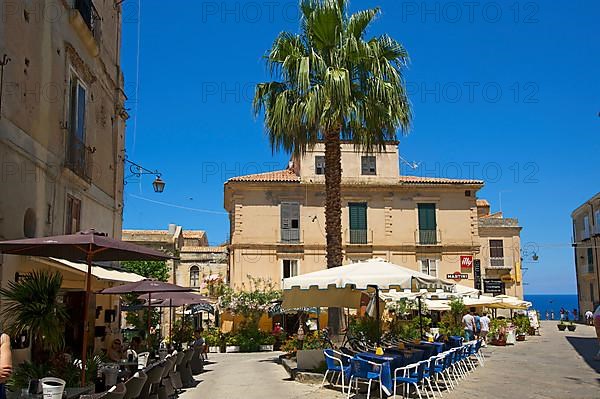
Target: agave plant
{"type": "Point", "coordinates": [32, 305]}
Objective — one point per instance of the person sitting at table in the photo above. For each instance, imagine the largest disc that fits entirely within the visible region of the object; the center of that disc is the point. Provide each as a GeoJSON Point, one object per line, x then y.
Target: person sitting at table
{"type": "Point", "coordinates": [115, 350]}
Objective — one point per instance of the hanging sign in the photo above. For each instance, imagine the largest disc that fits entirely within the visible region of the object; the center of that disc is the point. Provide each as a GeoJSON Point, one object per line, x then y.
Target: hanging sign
{"type": "Point", "coordinates": [477, 273]}
{"type": "Point", "coordinates": [466, 263]}
{"type": "Point", "coordinates": [457, 276]}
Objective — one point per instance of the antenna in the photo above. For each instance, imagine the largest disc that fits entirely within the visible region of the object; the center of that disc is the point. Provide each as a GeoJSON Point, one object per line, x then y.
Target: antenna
{"type": "Point", "coordinates": [413, 165]}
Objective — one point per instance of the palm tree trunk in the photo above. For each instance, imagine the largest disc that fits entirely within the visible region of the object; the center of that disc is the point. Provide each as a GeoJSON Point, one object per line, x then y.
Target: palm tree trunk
{"type": "Point", "coordinates": [333, 214]}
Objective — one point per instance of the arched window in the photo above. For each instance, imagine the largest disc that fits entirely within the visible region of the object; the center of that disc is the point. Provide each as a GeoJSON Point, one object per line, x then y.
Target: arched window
{"type": "Point", "coordinates": [194, 276]}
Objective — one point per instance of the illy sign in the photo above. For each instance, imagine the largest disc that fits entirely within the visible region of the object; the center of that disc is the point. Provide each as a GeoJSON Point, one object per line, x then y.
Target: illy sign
{"type": "Point", "coordinates": [466, 263]}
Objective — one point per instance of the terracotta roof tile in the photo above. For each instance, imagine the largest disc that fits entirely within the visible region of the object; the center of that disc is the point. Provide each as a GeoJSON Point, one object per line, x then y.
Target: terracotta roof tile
{"type": "Point", "coordinates": [286, 175]}
{"type": "Point", "coordinates": [436, 180]}
{"type": "Point", "coordinates": [218, 249]}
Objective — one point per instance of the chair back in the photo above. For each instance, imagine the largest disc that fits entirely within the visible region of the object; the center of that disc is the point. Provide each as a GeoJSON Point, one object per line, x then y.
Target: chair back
{"type": "Point", "coordinates": [360, 368]}
{"type": "Point", "coordinates": [421, 370]}
{"type": "Point", "coordinates": [142, 359]}
{"type": "Point", "coordinates": [447, 360]}
{"type": "Point", "coordinates": [180, 356]}
{"type": "Point", "coordinates": [135, 384]}
{"type": "Point", "coordinates": [332, 361]}
{"type": "Point", "coordinates": [432, 362]}
{"type": "Point", "coordinates": [187, 355]}
{"type": "Point", "coordinates": [168, 366]}
{"type": "Point", "coordinates": [116, 392]}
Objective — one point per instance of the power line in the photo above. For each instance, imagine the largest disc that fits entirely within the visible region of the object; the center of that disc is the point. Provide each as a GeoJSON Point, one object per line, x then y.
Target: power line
{"type": "Point", "coordinates": [187, 208]}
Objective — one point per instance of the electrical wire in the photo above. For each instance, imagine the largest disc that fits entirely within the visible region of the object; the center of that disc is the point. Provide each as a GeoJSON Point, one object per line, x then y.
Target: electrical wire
{"type": "Point", "coordinates": [178, 206]}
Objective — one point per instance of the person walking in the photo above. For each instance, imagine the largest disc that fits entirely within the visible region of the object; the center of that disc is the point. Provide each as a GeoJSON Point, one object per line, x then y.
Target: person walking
{"type": "Point", "coordinates": [589, 318]}
{"type": "Point", "coordinates": [562, 314]}
{"type": "Point", "coordinates": [552, 315]}
{"type": "Point", "coordinates": [468, 322]}
{"type": "Point", "coordinates": [484, 321]}
{"type": "Point", "coordinates": [477, 325]}
{"type": "Point", "coordinates": [547, 315]}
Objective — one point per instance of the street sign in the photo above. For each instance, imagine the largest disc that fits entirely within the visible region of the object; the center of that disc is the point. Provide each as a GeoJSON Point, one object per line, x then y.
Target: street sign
{"type": "Point", "coordinates": [457, 276]}
{"type": "Point", "coordinates": [507, 278]}
{"type": "Point", "coordinates": [466, 263]}
{"type": "Point", "coordinates": [493, 286]}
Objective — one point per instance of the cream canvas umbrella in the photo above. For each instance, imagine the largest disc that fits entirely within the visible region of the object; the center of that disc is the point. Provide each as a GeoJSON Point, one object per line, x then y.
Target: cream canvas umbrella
{"type": "Point", "coordinates": [510, 302]}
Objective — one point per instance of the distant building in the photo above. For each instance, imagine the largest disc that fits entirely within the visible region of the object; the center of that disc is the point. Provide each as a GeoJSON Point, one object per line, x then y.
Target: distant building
{"type": "Point", "coordinates": [586, 238]}
{"type": "Point", "coordinates": [430, 224]}
{"type": "Point", "coordinates": [196, 262]}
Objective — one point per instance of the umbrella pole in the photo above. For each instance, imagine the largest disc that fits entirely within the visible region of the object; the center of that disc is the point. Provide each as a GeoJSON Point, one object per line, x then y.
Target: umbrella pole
{"type": "Point", "coordinates": [149, 318]}
{"type": "Point", "coordinates": [378, 315]}
{"type": "Point", "coordinates": [170, 320]}
{"type": "Point", "coordinates": [86, 304]}
{"type": "Point", "coordinates": [420, 318]}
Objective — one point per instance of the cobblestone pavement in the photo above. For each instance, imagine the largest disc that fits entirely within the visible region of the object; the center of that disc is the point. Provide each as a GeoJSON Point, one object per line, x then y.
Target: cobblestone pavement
{"type": "Point", "coordinates": [554, 365]}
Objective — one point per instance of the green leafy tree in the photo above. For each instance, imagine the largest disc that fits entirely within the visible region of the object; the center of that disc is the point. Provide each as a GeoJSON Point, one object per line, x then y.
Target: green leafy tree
{"type": "Point", "coordinates": [150, 269]}
{"type": "Point", "coordinates": [32, 306]}
{"type": "Point", "coordinates": [331, 83]}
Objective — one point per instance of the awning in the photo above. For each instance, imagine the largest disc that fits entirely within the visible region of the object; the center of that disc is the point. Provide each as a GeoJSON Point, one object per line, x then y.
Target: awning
{"type": "Point", "coordinates": [101, 273]}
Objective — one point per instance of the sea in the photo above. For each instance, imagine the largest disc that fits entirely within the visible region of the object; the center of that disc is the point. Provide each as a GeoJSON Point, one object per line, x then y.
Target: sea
{"type": "Point", "coordinates": [549, 303]}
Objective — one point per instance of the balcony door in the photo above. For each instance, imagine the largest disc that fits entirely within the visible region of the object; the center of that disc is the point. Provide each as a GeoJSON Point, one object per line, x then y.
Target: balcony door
{"type": "Point", "coordinates": [290, 222]}
{"type": "Point", "coordinates": [358, 222]}
{"type": "Point", "coordinates": [427, 224]}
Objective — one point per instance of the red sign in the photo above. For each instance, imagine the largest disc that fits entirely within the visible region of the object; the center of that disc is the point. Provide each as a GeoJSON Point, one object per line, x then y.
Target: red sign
{"type": "Point", "coordinates": [466, 263]}
{"type": "Point", "coordinates": [457, 276]}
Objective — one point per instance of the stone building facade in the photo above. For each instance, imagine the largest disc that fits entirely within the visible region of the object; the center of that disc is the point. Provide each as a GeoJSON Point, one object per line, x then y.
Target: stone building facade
{"type": "Point", "coordinates": [586, 238]}
{"type": "Point", "coordinates": [277, 219]}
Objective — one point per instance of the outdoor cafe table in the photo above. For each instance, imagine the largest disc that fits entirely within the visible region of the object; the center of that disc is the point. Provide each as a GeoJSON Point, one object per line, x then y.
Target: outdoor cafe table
{"type": "Point", "coordinates": [390, 361]}
{"type": "Point", "coordinates": [439, 346]}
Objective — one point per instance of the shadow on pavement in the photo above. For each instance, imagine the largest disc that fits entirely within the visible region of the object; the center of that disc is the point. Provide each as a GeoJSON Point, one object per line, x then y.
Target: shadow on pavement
{"type": "Point", "coordinates": [587, 348]}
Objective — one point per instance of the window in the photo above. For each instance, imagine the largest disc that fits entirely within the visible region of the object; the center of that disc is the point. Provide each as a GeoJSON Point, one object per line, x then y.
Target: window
{"type": "Point", "coordinates": [496, 253]}
{"type": "Point", "coordinates": [427, 224]}
{"type": "Point", "coordinates": [73, 218]}
{"type": "Point", "coordinates": [90, 16]}
{"type": "Point", "coordinates": [597, 222]}
{"type": "Point", "coordinates": [290, 222]}
{"type": "Point", "coordinates": [368, 165]}
{"type": "Point", "coordinates": [76, 149]}
{"type": "Point", "coordinates": [194, 276]}
{"type": "Point", "coordinates": [319, 165]}
{"type": "Point", "coordinates": [586, 227]}
{"type": "Point", "coordinates": [358, 222]}
{"type": "Point", "coordinates": [290, 268]}
{"type": "Point", "coordinates": [590, 260]}
{"type": "Point", "coordinates": [429, 266]}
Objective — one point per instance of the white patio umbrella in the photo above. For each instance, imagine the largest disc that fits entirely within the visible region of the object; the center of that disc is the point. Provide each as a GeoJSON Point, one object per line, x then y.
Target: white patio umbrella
{"type": "Point", "coordinates": [341, 286]}
{"type": "Point", "coordinates": [510, 302]}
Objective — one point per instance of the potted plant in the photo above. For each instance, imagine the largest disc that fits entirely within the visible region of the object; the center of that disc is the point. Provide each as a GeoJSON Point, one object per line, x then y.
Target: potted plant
{"type": "Point", "coordinates": [561, 325]}
{"type": "Point", "coordinates": [267, 343]}
{"type": "Point", "coordinates": [498, 332]}
{"type": "Point", "coordinates": [311, 355]}
{"type": "Point", "coordinates": [213, 340]}
{"type": "Point", "coordinates": [571, 326]}
{"type": "Point", "coordinates": [522, 325]}
{"type": "Point", "coordinates": [232, 344]}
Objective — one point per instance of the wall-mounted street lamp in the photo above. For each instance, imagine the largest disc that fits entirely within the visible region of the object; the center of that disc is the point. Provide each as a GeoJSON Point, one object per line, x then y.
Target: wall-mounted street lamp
{"type": "Point", "coordinates": [138, 170]}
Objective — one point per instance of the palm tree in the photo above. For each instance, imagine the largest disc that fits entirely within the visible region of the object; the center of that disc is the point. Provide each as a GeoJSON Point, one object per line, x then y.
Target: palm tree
{"type": "Point", "coordinates": [332, 84]}
{"type": "Point", "coordinates": [32, 306]}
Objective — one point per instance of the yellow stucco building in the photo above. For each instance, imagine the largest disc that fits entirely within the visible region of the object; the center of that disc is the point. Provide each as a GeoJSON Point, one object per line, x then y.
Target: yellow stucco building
{"type": "Point", "coordinates": [430, 224]}
{"type": "Point", "coordinates": [62, 126]}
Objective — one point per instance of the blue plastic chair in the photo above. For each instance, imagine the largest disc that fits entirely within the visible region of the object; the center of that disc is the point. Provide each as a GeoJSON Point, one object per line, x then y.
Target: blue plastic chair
{"type": "Point", "coordinates": [412, 374]}
{"type": "Point", "coordinates": [337, 362]}
{"type": "Point", "coordinates": [365, 370]}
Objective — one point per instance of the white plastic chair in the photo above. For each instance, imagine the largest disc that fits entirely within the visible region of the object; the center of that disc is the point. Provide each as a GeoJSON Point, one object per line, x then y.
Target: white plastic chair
{"type": "Point", "coordinates": [142, 359]}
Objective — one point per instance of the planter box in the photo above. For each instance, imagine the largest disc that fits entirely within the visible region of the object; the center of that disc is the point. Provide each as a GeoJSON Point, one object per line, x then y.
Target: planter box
{"type": "Point", "coordinates": [521, 337]}
{"type": "Point", "coordinates": [266, 348]}
{"type": "Point", "coordinates": [309, 359]}
{"type": "Point", "coordinates": [213, 349]}
{"type": "Point", "coordinates": [571, 328]}
{"type": "Point", "coordinates": [561, 327]}
{"type": "Point", "coordinates": [232, 349]}
{"type": "Point", "coordinates": [499, 342]}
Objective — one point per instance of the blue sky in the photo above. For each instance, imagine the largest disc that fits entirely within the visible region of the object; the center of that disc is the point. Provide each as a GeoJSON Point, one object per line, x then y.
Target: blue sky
{"type": "Point", "coordinates": [501, 90]}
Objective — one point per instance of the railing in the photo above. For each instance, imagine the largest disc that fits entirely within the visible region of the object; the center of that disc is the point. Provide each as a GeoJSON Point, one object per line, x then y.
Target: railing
{"type": "Point", "coordinates": [358, 236]}
{"type": "Point", "coordinates": [290, 235]}
{"type": "Point", "coordinates": [584, 234]}
{"type": "Point", "coordinates": [78, 157]}
{"type": "Point", "coordinates": [428, 237]}
{"type": "Point", "coordinates": [90, 16]}
{"type": "Point", "coordinates": [497, 262]}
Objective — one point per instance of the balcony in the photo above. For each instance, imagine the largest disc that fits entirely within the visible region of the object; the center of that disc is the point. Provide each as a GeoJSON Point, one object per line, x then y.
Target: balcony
{"type": "Point", "coordinates": [290, 236]}
{"type": "Point", "coordinates": [497, 263]}
{"type": "Point", "coordinates": [584, 234]}
{"type": "Point", "coordinates": [78, 158]}
{"type": "Point", "coordinates": [87, 22]}
{"type": "Point", "coordinates": [428, 237]}
{"type": "Point", "coordinates": [358, 236]}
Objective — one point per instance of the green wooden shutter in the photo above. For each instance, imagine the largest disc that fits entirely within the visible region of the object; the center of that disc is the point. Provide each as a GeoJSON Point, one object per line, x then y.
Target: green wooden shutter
{"type": "Point", "coordinates": [427, 217]}
{"type": "Point", "coordinates": [358, 216]}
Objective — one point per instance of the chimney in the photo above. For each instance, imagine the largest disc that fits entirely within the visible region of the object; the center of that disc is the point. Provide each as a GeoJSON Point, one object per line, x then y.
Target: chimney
{"type": "Point", "coordinates": [172, 228]}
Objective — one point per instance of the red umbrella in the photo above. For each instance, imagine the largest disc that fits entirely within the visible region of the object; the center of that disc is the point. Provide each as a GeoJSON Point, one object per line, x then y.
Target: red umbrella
{"type": "Point", "coordinates": [88, 246]}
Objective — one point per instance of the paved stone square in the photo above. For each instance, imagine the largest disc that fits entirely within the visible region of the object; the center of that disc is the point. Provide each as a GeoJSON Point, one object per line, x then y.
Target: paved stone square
{"type": "Point", "coordinates": [554, 365]}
